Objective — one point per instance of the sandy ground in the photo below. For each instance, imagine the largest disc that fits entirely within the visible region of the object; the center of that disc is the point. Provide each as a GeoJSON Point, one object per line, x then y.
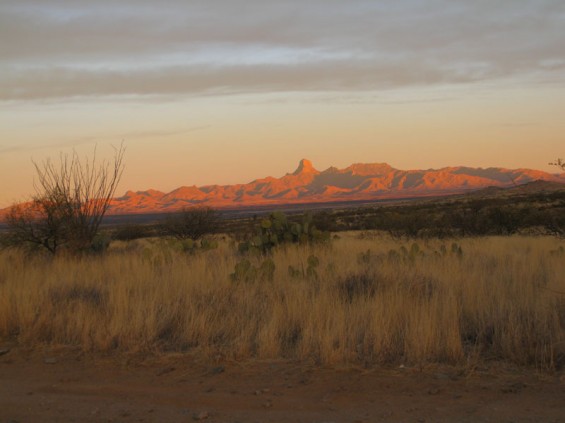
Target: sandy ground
{"type": "Point", "coordinates": [67, 386]}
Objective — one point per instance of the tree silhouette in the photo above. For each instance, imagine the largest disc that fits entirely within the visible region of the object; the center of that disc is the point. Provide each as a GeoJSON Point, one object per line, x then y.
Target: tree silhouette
{"type": "Point", "coordinates": [71, 199]}
{"type": "Point", "coordinates": [191, 223]}
{"type": "Point", "coordinates": [559, 163]}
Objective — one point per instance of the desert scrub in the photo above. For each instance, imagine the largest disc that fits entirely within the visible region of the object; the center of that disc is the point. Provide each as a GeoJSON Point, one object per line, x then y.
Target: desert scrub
{"type": "Point", "coordinates": [276, 229]}
{"type": "Point", "coordinates": [360, 304]}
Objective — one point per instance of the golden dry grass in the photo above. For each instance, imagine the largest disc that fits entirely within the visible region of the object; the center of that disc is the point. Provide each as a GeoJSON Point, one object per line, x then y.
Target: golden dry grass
{"type": "Point", "coordinates": [501, 299]}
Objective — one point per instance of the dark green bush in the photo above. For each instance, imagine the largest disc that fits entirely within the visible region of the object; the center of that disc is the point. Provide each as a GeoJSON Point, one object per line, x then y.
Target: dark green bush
{"type": "Point", "coordinates": [277, 229]}
{"type": "Point", "coordinates": [132, 231]}
{"type": "Point", "coordinates": [191, 223]}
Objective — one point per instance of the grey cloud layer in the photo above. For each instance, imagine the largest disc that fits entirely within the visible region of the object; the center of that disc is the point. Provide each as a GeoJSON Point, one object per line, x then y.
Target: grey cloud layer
{"type": "Point", "coordinates": [56, 49]}
{"type": "Point", "coordinates": [57, 82]}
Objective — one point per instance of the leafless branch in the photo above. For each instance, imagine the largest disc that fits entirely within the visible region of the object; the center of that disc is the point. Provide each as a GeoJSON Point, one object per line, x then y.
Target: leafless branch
{"type": "Point", "coordinates": [70, 201]}
{"type": "Point", "coordinates": [559, 163]}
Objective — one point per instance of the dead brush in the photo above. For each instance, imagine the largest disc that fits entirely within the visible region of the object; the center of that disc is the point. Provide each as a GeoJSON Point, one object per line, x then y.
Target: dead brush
{"type": "Point", "coordinates": [357, 285]}
{"type": "Point", "coordinates": [89, 295]}
{"type": "Point", "coordinates": [497, 301]}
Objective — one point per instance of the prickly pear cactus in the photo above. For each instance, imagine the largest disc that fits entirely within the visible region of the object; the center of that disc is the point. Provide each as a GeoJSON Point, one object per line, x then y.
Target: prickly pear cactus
{"type": "Point", "coordinates": [245, 272]}
{"type": "Point", "coordinates": [277, 229]}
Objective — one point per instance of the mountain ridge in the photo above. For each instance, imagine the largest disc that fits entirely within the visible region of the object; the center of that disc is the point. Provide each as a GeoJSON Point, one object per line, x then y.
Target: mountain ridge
{"type": "Point", "coordinates": [359, 181]}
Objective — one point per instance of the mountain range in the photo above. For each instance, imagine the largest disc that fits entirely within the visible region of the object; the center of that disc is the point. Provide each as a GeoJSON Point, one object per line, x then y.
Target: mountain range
{"type": "Point", "coordinates": [308, 185]}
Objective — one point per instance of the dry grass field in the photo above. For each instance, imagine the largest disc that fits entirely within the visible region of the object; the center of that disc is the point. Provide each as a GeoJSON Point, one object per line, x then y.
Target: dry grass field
{"type": "Point", "coordinates": [363, 300]}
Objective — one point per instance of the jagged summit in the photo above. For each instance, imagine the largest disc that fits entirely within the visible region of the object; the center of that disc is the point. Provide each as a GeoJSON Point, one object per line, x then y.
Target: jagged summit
{"type": "Point", "coordinates": [305, 166]}
{"type": "Point", "coordinates": [360, 181]}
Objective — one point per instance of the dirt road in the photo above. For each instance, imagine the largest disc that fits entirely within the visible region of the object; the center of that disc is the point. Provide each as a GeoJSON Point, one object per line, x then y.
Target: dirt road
{"type": "Point", "coordinates": [63, 386]}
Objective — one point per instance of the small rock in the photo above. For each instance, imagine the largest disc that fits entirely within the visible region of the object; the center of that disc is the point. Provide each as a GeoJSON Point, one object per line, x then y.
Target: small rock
{"type": "Point", "coordinates": [165, 371]}
{"type": "Point", "coordinates": [218, 370]}
{"type": "Point", "coordinates": [203, 415]}
{"type": "Point", "coordinates": [267, 404]}
{"type": "Point", "coordinates": [513, 388]}
{"type": "Point", "coordinates": [433, 391]}
{"type": "Point", "coordinates": [50, 360]}
{"type": "Point", "coordinates": [441, 376]}
{"type": "Point", "coordinates": [4, 351]}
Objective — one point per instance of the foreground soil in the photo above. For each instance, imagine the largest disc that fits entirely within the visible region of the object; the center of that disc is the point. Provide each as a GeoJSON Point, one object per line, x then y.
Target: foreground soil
{"type": "Point", "coordinates": [68, 386]}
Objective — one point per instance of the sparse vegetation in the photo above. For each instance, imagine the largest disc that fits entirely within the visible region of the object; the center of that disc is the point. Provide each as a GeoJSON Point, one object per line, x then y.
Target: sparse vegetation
{"type": "Point", "coordinates": [276, 229]}
{"type": "Point", "coordinates": [131, 231]}
{"type": "Point", "coordinates": [538, 212]}
{"type": "Point", "coordinates": [191, 223]}
{"type": "Point", "coordinates": [367, 300]}
{"type": "Point", "coordinates": [70, 202]}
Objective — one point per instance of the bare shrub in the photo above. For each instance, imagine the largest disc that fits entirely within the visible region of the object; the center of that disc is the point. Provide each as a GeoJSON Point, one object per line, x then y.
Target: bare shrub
{"type": "Point", "coordinates": [357, 285]}
{"type": "Point", "coordinates": [41, 224]}
{"type": "Point", "coordinates": [559, 163]}
{"type": "Point", "coordinates": [71, 199]}
{"type": "Point", "coordinates": [191, 223]}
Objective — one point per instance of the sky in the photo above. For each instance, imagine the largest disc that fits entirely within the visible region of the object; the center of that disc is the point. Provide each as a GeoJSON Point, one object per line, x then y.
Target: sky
{"type": "Point", "coordinates": [227, 91]}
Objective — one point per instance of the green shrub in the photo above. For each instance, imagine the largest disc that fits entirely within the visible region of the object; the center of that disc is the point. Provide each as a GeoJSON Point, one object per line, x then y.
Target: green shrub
{"type": "Point", "coordinates": [310, 272]}
{"type": "Point", "coordinates": [100, 243]}
{"type": "Point", "coordinates": [244, 271]}
{"type": "Point", "coordinates": [277, 229]}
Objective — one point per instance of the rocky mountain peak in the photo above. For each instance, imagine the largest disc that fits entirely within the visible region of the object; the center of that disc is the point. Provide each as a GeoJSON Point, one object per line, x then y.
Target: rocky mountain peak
{"type": "Point", "coordinates": [305, 166]}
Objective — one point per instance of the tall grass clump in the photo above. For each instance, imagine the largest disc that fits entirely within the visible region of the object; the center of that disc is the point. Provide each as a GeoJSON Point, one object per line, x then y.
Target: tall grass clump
{"type": "Point", "coordinates": [363, 301]}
